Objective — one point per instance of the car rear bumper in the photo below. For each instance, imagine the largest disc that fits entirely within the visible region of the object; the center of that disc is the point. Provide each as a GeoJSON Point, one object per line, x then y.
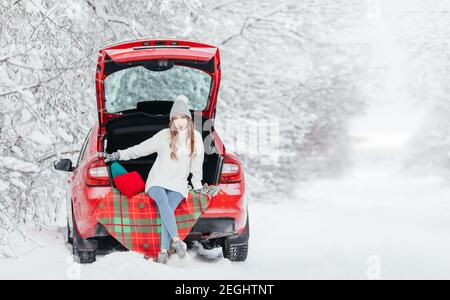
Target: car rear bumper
{"type": "Point", "coordinates": [209, 228]}
{"type": "Point", "coordinates": [225, 225]}
{"type": "Point", "coordinates": [226, 214]}
{"type": "Point", "coordinates": [204, 229]}
{"type": "Point", "coordinates": [216, 228]}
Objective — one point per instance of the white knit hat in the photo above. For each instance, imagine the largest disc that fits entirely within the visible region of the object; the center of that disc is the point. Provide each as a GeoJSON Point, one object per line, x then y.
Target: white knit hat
{"type": "Point", "coordinates": [179, 107]}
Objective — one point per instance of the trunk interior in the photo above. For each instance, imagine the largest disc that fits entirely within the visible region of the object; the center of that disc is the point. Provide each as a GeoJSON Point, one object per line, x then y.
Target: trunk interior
{"type": "Point", "coordinates": [133, 128]}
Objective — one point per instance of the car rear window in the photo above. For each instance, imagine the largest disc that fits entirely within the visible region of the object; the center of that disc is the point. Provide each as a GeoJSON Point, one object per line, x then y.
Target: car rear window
{"type": "Point", "coordinates": [125, 88]}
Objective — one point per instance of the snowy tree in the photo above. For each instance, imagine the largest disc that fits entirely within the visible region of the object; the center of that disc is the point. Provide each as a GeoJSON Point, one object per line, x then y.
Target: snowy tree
{"type": "Point", "coordinates": [425, 30]}
{"type": "Point", "coordinates": [294, 62]}
{"type": "Point", "coordinates": [47, 59]}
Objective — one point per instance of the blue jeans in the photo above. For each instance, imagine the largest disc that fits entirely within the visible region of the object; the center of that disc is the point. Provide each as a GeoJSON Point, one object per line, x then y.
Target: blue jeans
{"type": "Point", "coordinates": [167, 201]}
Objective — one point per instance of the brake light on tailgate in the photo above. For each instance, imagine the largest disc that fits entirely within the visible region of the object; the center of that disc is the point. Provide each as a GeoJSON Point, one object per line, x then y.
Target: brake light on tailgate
{"type": "Point", "coordinates": [231, 170]}
{"type": "Point", "coordinates": [97, 173]}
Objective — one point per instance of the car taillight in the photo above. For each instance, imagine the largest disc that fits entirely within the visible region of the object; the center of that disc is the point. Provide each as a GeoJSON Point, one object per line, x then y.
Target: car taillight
{"type": "Point", "coordinates": [231, 170]}
{"type": "Point", "coordinates": [97, 173]}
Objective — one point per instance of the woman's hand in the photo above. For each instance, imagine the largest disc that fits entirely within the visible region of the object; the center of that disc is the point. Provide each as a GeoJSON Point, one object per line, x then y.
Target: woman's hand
{"type": "Point", "coordinates": [207, 190]}
{"type": "Point", "coordinates": [203, 190]}
{"type": "Point", "coordinates": [109, 157]}
{"type": "Point", "coordinates": [198, 191]}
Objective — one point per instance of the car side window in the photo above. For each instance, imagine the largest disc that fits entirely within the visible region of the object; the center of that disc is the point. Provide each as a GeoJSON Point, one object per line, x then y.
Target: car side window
{"type": "Point", "coordinates": [83, 148]}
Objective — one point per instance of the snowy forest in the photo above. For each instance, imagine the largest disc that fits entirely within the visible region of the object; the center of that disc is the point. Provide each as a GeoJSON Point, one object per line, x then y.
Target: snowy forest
{"type": "Point", "coordinates": [311, 67]}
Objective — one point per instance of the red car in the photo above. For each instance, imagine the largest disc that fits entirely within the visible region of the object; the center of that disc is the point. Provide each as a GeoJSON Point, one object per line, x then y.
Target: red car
{"type": "Point", "coordinates": [136, 84]}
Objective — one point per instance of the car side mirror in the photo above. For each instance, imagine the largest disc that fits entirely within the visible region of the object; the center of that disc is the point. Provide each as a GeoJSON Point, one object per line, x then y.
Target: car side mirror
{"type": "Point", "coordinates": [63, 165]}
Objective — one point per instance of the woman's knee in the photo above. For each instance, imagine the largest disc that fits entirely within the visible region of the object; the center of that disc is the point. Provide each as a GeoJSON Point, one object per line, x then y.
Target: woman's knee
{"type": "Point", "coordinates": [174, 198]}
{"type": "Point", "coordinates": [156, 192]}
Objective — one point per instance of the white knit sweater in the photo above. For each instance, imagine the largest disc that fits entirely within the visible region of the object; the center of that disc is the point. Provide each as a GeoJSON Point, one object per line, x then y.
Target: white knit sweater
{"type": "Point", "coordinates": [165, 172]}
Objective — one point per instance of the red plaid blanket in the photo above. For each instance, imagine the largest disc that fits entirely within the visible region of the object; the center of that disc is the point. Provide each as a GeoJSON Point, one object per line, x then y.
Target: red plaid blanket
{"type": "Point", "coordinates": [135, 222]}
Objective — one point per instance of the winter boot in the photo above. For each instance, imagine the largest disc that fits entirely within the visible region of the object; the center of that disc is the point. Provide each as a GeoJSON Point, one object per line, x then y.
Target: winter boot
{"type": "Point", "coordinates": [180, 248]}
{"type": "Point", "coordinates": [163, 257]}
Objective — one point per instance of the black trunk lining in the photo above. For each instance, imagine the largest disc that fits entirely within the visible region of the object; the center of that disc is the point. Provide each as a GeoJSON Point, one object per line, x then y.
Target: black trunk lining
{"type": "Point", "coordinates": [129, 130]}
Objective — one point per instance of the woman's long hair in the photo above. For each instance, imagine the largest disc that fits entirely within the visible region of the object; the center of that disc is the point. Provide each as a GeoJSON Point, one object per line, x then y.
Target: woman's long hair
{"type": "Point", "coordinates": [174, 137]}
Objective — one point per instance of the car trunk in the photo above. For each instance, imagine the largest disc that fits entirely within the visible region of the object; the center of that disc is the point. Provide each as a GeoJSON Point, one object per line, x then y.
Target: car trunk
{"type": "Point", "coordinates": [134, 127]}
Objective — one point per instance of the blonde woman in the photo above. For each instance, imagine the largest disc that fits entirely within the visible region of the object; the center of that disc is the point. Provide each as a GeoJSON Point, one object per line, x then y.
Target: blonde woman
{"type": "Point", "coordinates": [180, 152]}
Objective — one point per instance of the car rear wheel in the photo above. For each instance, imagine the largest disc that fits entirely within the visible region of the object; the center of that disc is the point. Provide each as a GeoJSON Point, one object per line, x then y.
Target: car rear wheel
{"type": "Point", "coordinates": [235, 248]}
{"type": "Point", "coordinates": [235, 252]}
{"type": "Point", "coordinates": [83, 256]}
{"type": "Point", "coordinates": [80, 255]}
{"type": "Point", "coordinates": [69, 238]}
{"type": "Point", "coordinates": [84, 250]}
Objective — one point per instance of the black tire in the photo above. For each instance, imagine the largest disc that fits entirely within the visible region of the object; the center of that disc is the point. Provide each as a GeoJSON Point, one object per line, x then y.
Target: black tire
{"type": "Point", "coordinates": [235, 248]}
{"type": "Point", "coordinates": [235, 252]}
{"type": "Point", "coordinates": [83, 256]}
{"type": "Point", "coordinates": [69, 237]}
{"type": "Point", "coordinates": [84, 250]}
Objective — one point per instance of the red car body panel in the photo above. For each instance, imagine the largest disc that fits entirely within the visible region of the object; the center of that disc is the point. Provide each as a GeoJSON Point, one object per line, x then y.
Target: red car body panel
{"type": "Point", "coordinates": [230, 202]}
{"type": "Point", "coordinates": [126, 55]}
